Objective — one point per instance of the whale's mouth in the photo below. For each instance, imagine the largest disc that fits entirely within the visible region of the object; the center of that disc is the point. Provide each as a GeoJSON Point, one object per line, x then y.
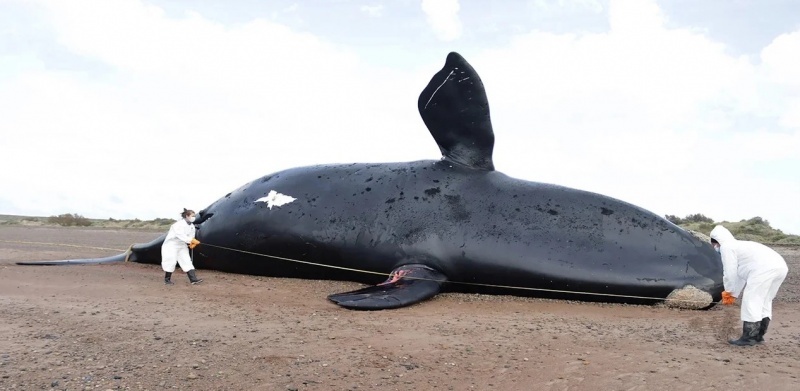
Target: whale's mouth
{"type": "Point", "coordinates": [689, 297]}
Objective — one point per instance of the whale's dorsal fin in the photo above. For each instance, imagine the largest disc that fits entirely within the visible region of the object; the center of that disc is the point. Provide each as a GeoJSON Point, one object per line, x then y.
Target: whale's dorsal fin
{"type": "Point", "coordinates": [456, 111]}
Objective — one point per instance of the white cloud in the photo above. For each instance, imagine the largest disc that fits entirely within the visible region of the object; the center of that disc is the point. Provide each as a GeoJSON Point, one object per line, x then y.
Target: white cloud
{"type": "Point", "coordinates": [442, 16]}
{"type": "Point", "coordinates": [780, 59]}
{"type": "Point", "coordinates": [781, 67]}
{"type": "Point", "coordinates": [634, 18]}
{"type": "Point", "coordinates": [189, 110]}
{"type": "Point", "coordinates": [374, 11]}
{"type": "Point", "coordinates": [570, 5]}
{"type": "Point", "coordinates": [185, 109]}
{"type": "Point", "coordinates": [645, 113]}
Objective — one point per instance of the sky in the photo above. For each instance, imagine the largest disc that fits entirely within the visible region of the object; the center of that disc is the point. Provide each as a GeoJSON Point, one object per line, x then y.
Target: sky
{"type": "Point", "coordinates": [139, 108]}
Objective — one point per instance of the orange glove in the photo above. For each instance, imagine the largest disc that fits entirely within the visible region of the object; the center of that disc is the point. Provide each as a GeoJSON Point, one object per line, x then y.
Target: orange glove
{"type": "Point", "coordinates": [194, 243]}
{"type": "Point", "coordinates": [727, 298]}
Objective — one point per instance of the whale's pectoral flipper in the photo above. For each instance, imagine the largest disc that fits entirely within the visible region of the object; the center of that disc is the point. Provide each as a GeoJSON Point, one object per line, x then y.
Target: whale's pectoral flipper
{"type": "Point", "coordinates": [408, 284]}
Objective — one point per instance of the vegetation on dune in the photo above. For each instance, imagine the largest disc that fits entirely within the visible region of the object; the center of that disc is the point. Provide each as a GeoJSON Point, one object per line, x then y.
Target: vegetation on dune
{"type": "Point", "coordinates": [69, 219]}
{"type": "Point", "coordinates": [755, 229]}
{"type": "Point", "coordinates": [76, 220]}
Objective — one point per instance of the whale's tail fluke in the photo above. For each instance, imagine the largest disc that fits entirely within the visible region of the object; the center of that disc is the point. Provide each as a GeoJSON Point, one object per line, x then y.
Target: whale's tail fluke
{"type": "Point", "coordinates": [111, 259]}
{"type": "Point", "coordinates": [143, 253]}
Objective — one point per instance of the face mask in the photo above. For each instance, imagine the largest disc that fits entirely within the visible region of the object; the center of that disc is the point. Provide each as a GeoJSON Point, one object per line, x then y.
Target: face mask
{"type": "Point", "coordinates": [190, 219]}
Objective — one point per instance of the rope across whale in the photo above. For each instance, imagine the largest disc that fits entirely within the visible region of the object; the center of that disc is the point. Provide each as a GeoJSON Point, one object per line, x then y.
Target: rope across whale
{"type": "Point", "coordinates": [389, 275]}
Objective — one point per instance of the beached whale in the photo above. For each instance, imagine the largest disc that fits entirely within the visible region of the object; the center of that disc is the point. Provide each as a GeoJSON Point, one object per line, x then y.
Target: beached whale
{"type": "Point", "coordinates": [414, 229]}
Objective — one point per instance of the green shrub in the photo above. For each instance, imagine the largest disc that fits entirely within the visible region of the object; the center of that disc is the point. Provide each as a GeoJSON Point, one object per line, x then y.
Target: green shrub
{"type": "Point", "coordinates": [695, 218]}
{"type": "Point", "coordinates": [69, 219]}
{"type": "Point", "coordinates": [755, 229]}
{"type": "Point", "coordinates": [162, 221]}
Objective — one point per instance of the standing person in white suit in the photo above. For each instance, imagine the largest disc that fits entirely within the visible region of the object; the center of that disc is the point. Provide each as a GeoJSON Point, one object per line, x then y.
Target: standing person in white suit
{"type": "Point", "coordinates": [756, 269]}
{"type": "Point", "coordinates": [175, 250]}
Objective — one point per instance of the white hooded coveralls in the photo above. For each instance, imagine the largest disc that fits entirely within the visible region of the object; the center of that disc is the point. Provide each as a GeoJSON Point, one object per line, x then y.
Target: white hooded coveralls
{"type": "Point", "coordinates": [175, 250]}
{"type": "Point", "coordinates": [751, 266]}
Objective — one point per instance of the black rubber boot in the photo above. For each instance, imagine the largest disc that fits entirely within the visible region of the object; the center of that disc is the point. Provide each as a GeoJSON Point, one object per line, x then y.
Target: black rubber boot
{"type": "Point", "coordinates": [762, 330]}
{"type": "Point", "coordinates": [193, 277]}
{"type": "Point", "coordinates": [168, 278]}
{"type": "Point", "coordinates": [750, 331]}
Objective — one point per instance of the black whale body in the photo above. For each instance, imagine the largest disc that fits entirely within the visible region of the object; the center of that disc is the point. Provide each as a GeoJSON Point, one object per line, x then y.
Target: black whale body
{"type": "Point", "coordinates": [471, 225]}
{"type": "Point", "coordinates": [455, 224]}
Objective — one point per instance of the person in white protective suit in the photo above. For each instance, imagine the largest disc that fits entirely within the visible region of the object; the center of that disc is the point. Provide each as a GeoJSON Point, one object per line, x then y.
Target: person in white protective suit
{"type": "Point", "coordinates": [755, 269]}
{"type": "Point", "coordinates": [175, 249]}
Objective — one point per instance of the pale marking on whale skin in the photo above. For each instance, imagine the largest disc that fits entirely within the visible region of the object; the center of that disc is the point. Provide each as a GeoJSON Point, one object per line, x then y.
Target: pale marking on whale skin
{"type": "Point", "coordinates": [440, 86]}
{"type": "Point", "coordinates": [276, 199]}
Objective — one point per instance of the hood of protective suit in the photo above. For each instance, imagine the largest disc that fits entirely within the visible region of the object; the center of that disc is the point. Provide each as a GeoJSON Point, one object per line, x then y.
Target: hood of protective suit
{"type": "Point", "coordinates": [722, 235]}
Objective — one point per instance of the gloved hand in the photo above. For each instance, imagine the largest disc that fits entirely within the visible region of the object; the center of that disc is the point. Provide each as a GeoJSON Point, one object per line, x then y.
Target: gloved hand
{"type": "Point", "coordinates": [727, 298]}
{"type": "Point", "coordinates": [194, 243]}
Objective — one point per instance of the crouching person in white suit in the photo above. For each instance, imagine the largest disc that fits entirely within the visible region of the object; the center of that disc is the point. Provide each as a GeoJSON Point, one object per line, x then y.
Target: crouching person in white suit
{"type": "Point", "coordinates": [756, 269]}
{"type": "Point", "coordinates": [175, 251]}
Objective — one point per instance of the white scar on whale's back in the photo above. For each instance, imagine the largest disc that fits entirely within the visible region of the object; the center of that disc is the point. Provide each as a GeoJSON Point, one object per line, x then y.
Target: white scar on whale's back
{"type": "Point", "coordinates": [276, 199]}
{"type": "Point", "coordinates": [437, 88]}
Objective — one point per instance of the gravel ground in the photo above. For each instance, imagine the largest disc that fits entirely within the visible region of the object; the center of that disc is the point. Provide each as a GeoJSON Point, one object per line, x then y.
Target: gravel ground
{"type": "Point", "coordinates": [117, 327]}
